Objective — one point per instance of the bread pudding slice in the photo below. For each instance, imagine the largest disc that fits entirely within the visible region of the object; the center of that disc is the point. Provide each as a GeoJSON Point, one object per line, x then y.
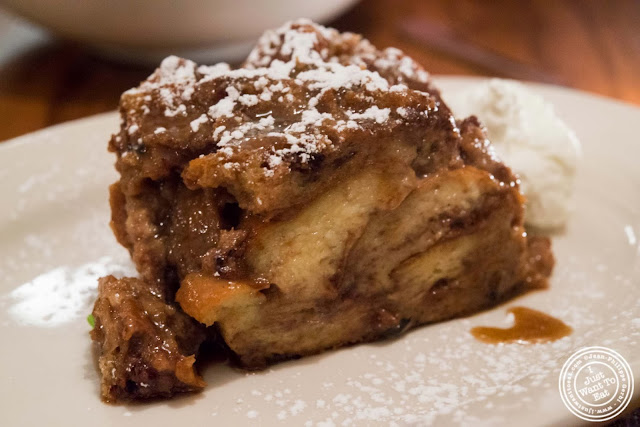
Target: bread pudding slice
{"type": "Point", "coordinates": [318, 196]}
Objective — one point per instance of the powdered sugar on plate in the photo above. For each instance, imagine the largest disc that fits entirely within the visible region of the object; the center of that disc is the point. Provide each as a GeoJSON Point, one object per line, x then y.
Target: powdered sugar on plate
{"type": "Point", "coordinates": [62, 294]}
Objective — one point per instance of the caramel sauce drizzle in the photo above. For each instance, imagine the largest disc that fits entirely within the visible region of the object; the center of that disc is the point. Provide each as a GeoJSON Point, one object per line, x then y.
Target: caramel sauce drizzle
{"type": "Point", "coordinates": [530, 326]}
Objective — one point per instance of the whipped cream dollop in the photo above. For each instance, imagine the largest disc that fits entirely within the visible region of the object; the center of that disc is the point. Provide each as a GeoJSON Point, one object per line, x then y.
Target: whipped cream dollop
{"type": "Point", "coordinates": [532, 140]}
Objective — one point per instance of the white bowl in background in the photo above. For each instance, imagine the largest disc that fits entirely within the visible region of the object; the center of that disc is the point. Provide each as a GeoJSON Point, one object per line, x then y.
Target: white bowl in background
{"type": "Point", "coordinates": [149, 30]}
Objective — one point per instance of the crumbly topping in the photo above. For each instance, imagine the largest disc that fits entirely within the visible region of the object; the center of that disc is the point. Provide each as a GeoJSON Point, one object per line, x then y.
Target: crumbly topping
{"type": "Point", "coordinates": [295, 39]}
{"type": "Point", "coordinates": [279, 95]}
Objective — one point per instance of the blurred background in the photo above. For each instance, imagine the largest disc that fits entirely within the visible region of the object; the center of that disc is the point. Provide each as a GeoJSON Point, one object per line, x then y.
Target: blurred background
{"type": "Point", "coordinates": [84, 54]}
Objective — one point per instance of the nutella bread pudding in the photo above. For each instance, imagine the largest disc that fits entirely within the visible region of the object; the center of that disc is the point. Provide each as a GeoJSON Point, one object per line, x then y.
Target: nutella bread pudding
{"type": "Point", "coordinates": [320, 195]}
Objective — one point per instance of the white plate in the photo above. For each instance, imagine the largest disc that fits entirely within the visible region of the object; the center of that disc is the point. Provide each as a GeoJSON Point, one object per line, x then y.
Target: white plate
{"type": "Point", "coordinates": [53, 212]}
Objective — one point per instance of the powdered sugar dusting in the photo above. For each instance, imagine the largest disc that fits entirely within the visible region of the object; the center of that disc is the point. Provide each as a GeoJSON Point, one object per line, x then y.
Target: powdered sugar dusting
{"type": "Point", "coordinates": [372, 113]}
{"type": "Point", "coordinates": [295, 54]}
{"type": "Point", "coordinates": [319, 76]}
{"type": "Point", "coordinates": [195, 124]}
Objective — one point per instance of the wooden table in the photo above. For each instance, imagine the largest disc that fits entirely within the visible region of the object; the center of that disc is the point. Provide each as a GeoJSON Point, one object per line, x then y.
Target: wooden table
{"type": "Point", "coordinates": [592, 45]}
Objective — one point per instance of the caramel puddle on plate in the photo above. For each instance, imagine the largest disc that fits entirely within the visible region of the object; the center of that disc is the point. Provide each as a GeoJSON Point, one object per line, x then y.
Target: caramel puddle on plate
{"type": "Point", "coordinates": [529, 325]}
